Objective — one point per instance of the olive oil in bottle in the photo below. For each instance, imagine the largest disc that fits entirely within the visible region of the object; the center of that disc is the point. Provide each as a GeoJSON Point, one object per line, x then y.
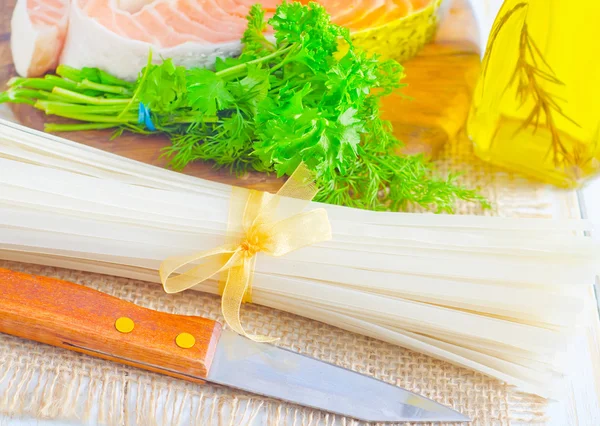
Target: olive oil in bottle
{"type": "Point", "coordinates": [536, 108]}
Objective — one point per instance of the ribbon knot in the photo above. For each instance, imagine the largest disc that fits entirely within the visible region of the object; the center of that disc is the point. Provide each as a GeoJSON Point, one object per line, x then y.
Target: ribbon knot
{"type": "Point", "coordinates": [250, 247]}
{"type": "Point", "coordinates": [273, 224]}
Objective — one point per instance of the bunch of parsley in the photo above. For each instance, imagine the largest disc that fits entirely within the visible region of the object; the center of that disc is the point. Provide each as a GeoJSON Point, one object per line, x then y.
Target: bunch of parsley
{"type": "Point", "coordinates": [293, 99]}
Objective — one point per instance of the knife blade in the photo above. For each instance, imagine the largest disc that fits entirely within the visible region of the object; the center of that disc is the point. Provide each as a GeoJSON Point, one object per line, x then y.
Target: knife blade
{"type": "Point", "coordinates": [196, 349]}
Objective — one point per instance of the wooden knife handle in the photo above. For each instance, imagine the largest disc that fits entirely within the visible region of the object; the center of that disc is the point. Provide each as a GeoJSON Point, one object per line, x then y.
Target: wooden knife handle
{"type": "Point", "coordinates": [81, 319]}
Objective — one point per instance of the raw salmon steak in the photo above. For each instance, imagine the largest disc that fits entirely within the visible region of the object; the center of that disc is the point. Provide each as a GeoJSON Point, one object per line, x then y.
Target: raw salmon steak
{"type": "Point", "coordinates": [38, 32]}
{"type": "Point", "coordinates": [117, 35]}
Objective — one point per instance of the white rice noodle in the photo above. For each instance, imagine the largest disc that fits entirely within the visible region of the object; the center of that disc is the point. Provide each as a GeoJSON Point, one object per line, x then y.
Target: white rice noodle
{"type": "Point", "coordinates": [497, 295]}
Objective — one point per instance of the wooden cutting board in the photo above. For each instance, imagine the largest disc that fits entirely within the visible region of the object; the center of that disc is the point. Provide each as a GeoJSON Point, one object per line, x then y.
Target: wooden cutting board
{"type": "Point", "coordinates": [440, 82]}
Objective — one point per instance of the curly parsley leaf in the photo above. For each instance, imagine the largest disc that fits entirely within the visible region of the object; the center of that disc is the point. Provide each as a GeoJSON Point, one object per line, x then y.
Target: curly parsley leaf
{"type": "Point", "coordinates": [255, 43]}
{"type": "Point", "coordinates": [308, 26]}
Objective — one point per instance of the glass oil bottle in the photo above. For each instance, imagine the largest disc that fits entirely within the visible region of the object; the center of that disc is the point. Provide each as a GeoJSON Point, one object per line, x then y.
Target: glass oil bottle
{"type": "Point", "coordinates": [536, 108]}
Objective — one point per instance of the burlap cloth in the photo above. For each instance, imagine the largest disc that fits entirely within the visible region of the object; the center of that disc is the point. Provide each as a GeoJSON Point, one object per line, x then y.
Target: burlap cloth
{"type": "Point", "coordinates": [45, 382]}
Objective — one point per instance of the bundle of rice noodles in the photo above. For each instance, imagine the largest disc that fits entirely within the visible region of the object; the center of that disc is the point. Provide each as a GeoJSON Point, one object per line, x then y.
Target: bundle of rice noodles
{"type": "Point", "coordinates": [497, 295]}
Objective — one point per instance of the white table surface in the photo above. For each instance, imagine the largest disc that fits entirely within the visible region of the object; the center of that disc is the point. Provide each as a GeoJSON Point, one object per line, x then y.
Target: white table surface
{"type": "Point", "coordinates": [583, 407]}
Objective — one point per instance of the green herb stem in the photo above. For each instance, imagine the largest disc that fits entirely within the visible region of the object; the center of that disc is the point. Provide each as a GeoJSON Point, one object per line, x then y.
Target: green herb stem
{"type": "Point", "coordinates": [47, 83]}
{"type": "Point", "coordinates": [15, 99]}
{"type": "Point", "coordinates": [14, 81]}
{"type": "Point", "coordinates": [78, 75]}
{"type": "Point", "coordinates": [84, 99]}
{"type": "Point", "coordinates": [60, 82]}
{"type": "Point", "coordinates": [239, 70]}
{"type": "Point", "coordinates": [53, 107]}
{"type": "Point", "coordinates": [35, 95]}
{"type": "Point", "coordinates": [71, 73]}
{"type": "Point", "coordinates": [194, 119]}
{"type": "Point", "coordinates": [29, 93]}
{"type": "Point", "coordinates": [119, 90]}
{"type": "Point", "coordinates": [95, 117]}
{"type": "Point", "coordinates": [286, 59]}
{"type": "Point", "coordinates": [54, 127]}
{"type": "Point", "coordinates": [107, 78]}
{"type": "Point", "coordinates": [54, 97]}
{"type": "Point", "coordinates": [140, 83]}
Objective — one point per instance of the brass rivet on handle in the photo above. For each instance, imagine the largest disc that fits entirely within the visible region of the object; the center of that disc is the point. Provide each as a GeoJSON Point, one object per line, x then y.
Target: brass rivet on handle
{"type": "Point", "coordinates": [185, 340]}
{"type": "Point", "coordinates": [124, 325]}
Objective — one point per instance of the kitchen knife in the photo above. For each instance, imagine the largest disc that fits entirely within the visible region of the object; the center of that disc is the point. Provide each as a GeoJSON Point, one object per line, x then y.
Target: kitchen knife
{"type": "Point", "coordinates": [81, 319]}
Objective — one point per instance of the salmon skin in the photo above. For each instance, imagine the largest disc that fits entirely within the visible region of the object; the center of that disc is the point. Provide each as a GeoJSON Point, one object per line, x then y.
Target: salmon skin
{"type": "Point", "coordinates": [117, 35]}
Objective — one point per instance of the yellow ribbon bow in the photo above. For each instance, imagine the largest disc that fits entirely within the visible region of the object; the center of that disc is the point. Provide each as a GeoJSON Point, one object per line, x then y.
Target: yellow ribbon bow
{"type": "Point", "coordinates": [258, 222]}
